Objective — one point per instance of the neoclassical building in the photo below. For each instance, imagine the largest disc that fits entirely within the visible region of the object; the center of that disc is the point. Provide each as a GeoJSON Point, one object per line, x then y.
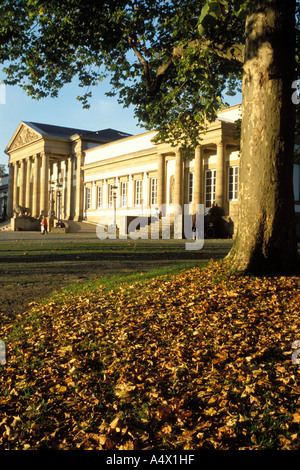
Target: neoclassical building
{"type": "Point", "coordinates": [40, 154]}
{"type": "Point", "coordinates": [145, 176]}
{"type": "Point", "coordinates": [103, 175]}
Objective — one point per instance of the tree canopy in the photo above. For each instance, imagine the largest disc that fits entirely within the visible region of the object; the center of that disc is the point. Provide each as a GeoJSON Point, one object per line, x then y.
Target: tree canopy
{"type": "Point", "coordinates": [172, 61]}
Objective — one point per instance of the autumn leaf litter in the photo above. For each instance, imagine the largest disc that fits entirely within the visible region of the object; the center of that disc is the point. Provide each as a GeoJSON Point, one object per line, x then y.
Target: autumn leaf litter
{"type": "Point", "coordinates": [202, 360]}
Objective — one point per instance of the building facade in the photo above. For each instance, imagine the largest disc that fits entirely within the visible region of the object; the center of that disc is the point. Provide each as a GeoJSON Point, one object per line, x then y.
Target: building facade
{"type": "Point", "coordinates": [42, 156]}
{"type": "Point", "coordinates": [143, 176]}
{"type": "Point", "coordinates": [102, 176]}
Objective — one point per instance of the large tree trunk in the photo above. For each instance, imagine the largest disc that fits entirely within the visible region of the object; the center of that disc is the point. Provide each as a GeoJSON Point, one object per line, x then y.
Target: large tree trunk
{"type": "Point", "coordinates": [266, 238]}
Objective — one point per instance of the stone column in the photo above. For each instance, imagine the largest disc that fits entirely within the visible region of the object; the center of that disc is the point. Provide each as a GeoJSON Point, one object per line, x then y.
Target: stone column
{"type": "Point", "coordinates": [15, 186]}
{"type": "Point", "coordinates": [161, 184]}
{"type": "Point", "coordinates": [69, 166]}
{"type": "Point", "coordinates": [35, 189]}
{"type": "Point", "coordinates": [22, 184]}
{"type": "Point", "coordinates": [44, 205]}
{"type": "Point", "coordinates": [220, 174]}
{"type": "Point", "coordinates": [27, 185]}
{"type": "Point", "coordinates": [10, 200]}
{"type": "Point", "coordinates": [178, 179]}
{"type": "Point", "coordinates": [197, 178]}
{"type": "Point", "coordinates": [79, 188]}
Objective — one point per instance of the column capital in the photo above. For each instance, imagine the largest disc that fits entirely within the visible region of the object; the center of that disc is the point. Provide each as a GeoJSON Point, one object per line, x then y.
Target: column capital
{"type": "Point", "coordinates": [221, 143]}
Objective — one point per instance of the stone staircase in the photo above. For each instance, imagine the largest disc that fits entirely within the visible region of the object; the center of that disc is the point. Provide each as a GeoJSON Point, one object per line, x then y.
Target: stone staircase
{"type": "Point", "coordinates": [80, 227]}
{"type": "Point", "coordinates": [160, 228]}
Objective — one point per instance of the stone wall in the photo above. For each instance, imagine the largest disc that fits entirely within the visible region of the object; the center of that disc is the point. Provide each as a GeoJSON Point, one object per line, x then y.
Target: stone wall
{"type": "Point", "coordinates": [25, 224]}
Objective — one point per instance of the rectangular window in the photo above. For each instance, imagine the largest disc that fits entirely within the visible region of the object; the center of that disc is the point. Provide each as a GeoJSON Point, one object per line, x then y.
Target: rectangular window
{"type": "Point", "coordinates": [210, 187]}
{"type": "Point", "coordinates": [110, 195]}
{"type": "Point", "coordinates": [138, 192]}
{"type": "Point", "coordinates": [99, 197]}
{"type": "Point", "coordinates": [190, 187]}
{"type": "Point", "coordinates": [233, 181]}
{"type": "Point", "coordinates": [124, 194]}
{"type": "Point", "coordinates": [88, 198]}
{"type": "Point", "coordinates": [153, 191]}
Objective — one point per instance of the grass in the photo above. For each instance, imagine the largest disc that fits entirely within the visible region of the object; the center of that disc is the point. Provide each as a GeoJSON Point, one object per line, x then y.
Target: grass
{"type": "Point", "coordinates": [31, 269]}
{"type": "Point", "coordinates": [114, 282]}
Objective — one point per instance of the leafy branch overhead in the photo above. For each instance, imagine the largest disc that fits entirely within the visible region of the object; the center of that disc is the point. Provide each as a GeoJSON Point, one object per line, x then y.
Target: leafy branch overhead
{"type": "Point", "coordinates": [172, 61]}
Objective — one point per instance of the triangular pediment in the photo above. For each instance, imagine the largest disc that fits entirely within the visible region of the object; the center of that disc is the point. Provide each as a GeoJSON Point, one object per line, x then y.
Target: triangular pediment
{"type": "Point", "coordinates": [24, 135]}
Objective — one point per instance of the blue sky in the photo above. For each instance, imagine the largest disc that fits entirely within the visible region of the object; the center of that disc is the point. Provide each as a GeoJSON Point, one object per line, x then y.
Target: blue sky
{"type": "Point", "coordinates": [66, 110]}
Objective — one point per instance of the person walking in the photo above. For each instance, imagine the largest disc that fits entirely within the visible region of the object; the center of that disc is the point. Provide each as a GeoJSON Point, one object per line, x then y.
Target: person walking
{"type": "Point", "coordinates": [44, 225]}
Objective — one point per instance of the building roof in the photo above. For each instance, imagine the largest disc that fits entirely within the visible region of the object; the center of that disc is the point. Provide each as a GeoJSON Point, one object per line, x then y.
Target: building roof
{"type": "Point", "coordinates": [231, 114]}
{"type": "Point", "coordinates": [67, 132]}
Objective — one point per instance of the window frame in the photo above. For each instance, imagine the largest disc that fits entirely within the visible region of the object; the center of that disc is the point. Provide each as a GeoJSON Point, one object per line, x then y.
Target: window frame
{"type": "Point", "coordinates": [124, 194]}
{"type": "Point", "coordinates": [153, 191]}
{"type": "Point", "coordinates": [212, 192]}
{"type": "Point", "coordinates": [99, 196]}
{"type": "Point", "coordinates": [233, 183]}
{"type": "Point", "coordinates": [138, 192]}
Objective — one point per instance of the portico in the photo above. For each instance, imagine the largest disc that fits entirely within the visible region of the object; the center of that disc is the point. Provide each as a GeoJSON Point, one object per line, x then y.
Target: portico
{"type": "Point", "coordinates": [40, 154]}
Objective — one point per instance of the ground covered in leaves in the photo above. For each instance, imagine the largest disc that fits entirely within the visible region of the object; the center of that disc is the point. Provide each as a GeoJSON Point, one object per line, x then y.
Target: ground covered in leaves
{"type": "Point", "coordinates": [203, 360]}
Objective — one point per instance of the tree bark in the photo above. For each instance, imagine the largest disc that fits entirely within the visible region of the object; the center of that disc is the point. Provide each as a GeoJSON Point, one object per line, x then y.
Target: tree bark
{"type": "Point", "coordinates": [266, 237]}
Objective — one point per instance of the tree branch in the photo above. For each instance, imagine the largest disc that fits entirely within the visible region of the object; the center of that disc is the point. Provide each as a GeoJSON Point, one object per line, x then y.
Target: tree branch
{"type": "Point", "coordinates": [233, 53]}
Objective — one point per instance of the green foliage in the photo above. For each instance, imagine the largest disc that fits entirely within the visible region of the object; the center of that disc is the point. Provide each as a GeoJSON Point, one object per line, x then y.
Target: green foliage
{"type": "Point", "coordinates": [169, 60]}
{"type": "Point", "coordinates": [147, 49]}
